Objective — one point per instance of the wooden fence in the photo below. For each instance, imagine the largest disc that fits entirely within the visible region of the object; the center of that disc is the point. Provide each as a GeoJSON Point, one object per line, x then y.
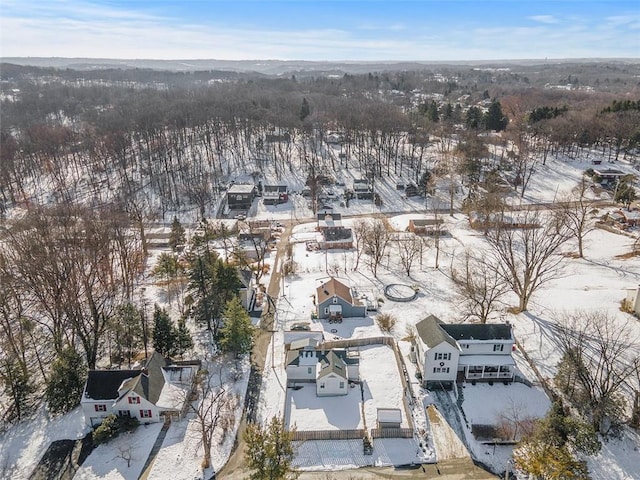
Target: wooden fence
{"type": "Point", "coordinates": [392, 433]}
{"type": "Point", "coordinates": [357, 342]}
{"type": "Point", "coordinates": [328, 435]}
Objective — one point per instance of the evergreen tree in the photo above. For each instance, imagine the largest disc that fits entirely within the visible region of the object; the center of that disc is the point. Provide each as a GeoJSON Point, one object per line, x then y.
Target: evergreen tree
{"type": "Point", "coordinates": [625, 193]}
{"type": "Point", "coordinates": [183, 338]}
{"type": "Point", "coordinates": [164, 334]}
{"type": "Point", "coordinates": [447, 113]}
{"type": "Point", "coordinates": [212, 283]}
{"type": "Point", "coordinates": [236, 336]}
{"type": "Point", "coordinates": [126, 332]}
{"type": "Point", "coordinates": [305, 111]}
{"type": "Point", "coordinates": [18, 386]}
{"type": "Point", "coordinates": [494, 119]}
{"type": "Point", "coordinates": [177, 236]}
{"type": "Point", "coordinates": [473, 119]}
{"type": "Point", "coordinates": [269, 453]}
{"type": "Point", "coordinates": [202, 273]}
{"type": "Point", "coordinates": [425, 183]}
{"type": "Point", "coordinates": [432, 112]}
{"type": "Point", "coordinates": [66, 381]}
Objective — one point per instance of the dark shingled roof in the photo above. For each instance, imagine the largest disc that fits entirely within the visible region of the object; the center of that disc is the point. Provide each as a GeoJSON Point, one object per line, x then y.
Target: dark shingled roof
{"type": "Point", "coordinates": [104, 384]}
{"type": "Point", "coordinates": [148, 382]}
{"type": "Point", "coordinates": [430, 332]}
{"type": "Point", "coordinates": [479, 331]}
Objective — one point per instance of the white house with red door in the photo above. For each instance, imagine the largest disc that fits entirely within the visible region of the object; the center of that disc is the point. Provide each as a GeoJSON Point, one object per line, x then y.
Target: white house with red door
{"type": "Point", "coordinates": [149, 393]}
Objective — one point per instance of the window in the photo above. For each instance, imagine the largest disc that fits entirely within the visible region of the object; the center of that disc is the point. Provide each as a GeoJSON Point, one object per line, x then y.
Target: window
{"type": "Point", "coordinates": [341, 384]}
{"type": "Point", "coordinates": [309, 370]}
{"type": "Point", "coordinates": [443, 356]}
{"type": "Point", "coordinates": [466, 345]}
{"type": "Point", "coordinates": [335, 299]}
{"type": "Point", "coordinates": [498, 347]}
{"type": "Point", "coordinates": [145, 413]}
{"type": "Point", "coordinates": [134, 399]}
{"type": "Point", "coordinates": [440, 369]}
{"type": "Point", "coordinates": [322, 385]}
{"type": "Point", "coordinates": [326, 310]}
{"type": "Point", "coordinates": [100, 408]}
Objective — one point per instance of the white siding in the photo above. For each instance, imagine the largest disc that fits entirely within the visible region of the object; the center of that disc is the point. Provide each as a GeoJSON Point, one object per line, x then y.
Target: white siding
{"type": "Point", "coordinates": [332, 384]}
{"type": "Point", "coordinates": [485, 347]}
{"type": "Point", "coordinates": [444, 368]}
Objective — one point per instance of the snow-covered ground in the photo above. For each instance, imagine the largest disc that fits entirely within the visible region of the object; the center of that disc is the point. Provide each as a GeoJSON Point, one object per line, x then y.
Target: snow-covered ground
{"type": "Point", "coordinates": [596, 282]}
{"type": "Point", "coordinates": [107, 462]}
{"type": "Point", "coordinates": [22, 446]}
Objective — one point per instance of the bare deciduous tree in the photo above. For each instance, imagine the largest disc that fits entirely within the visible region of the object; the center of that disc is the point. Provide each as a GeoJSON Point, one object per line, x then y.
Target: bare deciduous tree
{"type": "Point", "coordinates": [212, 409]}
{"type": "Point", "coordinates": [527, 256]}
{"type": "Point", "coordinates": [480, 284]}
{"type": "Point", "coordinates": [576, 209]}
{"type": "Point", "coordinates": [376, 240]}
{"type": "Point", "coordinates": [409, 250]}
{"type": "Point", "coordinates": [598, 361]}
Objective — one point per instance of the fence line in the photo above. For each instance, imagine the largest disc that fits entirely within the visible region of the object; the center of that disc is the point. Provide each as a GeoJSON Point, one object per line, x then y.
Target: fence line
{"type": "Point", "coordinates": [392, 433]}
{"type": "Point", "coordinates": [328, 434]}
{"type": "Point", "coordinates": [357, 342]}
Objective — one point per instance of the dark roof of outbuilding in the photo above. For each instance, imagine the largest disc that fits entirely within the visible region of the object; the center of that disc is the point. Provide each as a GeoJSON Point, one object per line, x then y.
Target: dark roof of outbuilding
{"type": "Point", "coordinates": [104, 384]}
{"type": "Point", "coordinates": [430, 332]}
{"type": "Point", "coordinates": [479, 331]}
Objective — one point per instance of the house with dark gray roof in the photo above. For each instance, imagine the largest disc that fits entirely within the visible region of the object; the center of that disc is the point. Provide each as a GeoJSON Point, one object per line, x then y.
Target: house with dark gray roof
{"type": "Point", "coordinates": [159, 387]}
{"type": "Point", "coordinates": [464, 352]}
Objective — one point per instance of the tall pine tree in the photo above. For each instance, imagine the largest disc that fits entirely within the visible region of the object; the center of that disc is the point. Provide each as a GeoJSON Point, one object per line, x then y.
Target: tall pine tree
{"type": "Point", "coordinates": [236, 336]}
{"type": "Point", "coordinates": [66, 381]}
{"type": "Point", "coordinates": [164, 334]}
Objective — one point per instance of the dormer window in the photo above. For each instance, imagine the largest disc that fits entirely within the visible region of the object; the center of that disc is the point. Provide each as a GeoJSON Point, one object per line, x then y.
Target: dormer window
{"type": "Point", "coordinates": [498, 347]}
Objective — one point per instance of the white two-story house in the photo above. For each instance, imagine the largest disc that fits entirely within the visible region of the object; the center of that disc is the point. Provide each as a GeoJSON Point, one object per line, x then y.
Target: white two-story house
{"type": "Point", "coordinates": [470, 352]}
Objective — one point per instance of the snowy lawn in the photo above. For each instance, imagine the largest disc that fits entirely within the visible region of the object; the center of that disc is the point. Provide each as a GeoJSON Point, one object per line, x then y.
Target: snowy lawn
{"type": "Point", "coordinates": [22, 446]}
{"type": "Point", "coordinates": [310, 412]}
{"type": "Point", "coordinates": [331, 455]}
{"type": "Point", "coordinates": [106, 462]}
{"type": "Point", "coordinates": [485, 404]}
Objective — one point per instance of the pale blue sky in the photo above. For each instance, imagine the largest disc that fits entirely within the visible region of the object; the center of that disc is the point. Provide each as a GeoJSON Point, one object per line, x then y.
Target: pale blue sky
{"type": "Point", "coordinates": [424, 30]}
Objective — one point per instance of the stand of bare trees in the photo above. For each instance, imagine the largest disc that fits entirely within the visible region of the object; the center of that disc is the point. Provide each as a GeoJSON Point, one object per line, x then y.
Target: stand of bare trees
{"type": "Point", "coordinates": [598, 367]}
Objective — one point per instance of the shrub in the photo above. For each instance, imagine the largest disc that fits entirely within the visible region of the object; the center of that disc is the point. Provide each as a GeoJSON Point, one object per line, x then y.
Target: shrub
{"type": "Point", "coordinates": [386, 322]}
{"type": "Point", "coordinates": [107, 430]}
{"type": "Point", "coordinates": [113, 426]}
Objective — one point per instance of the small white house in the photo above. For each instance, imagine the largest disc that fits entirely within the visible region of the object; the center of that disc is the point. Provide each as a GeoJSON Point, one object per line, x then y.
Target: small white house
{"type": "Point", "coordinates": [332, 378]}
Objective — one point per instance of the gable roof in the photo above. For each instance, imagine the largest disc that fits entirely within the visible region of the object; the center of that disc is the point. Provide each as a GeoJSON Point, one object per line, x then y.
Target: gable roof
{"type": "Point", "coordinates": [430, 332]}
{"type": "Point", "coordinates": [333, 287]}
{"type": "Point", "coordinates": [333, 364]}
{"type": "Point", "coordinates": [146, 382]}
{"type": "Point", "coordinates": [479, 331]}
{"type": "Point", "coordinates": [104, 384]}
